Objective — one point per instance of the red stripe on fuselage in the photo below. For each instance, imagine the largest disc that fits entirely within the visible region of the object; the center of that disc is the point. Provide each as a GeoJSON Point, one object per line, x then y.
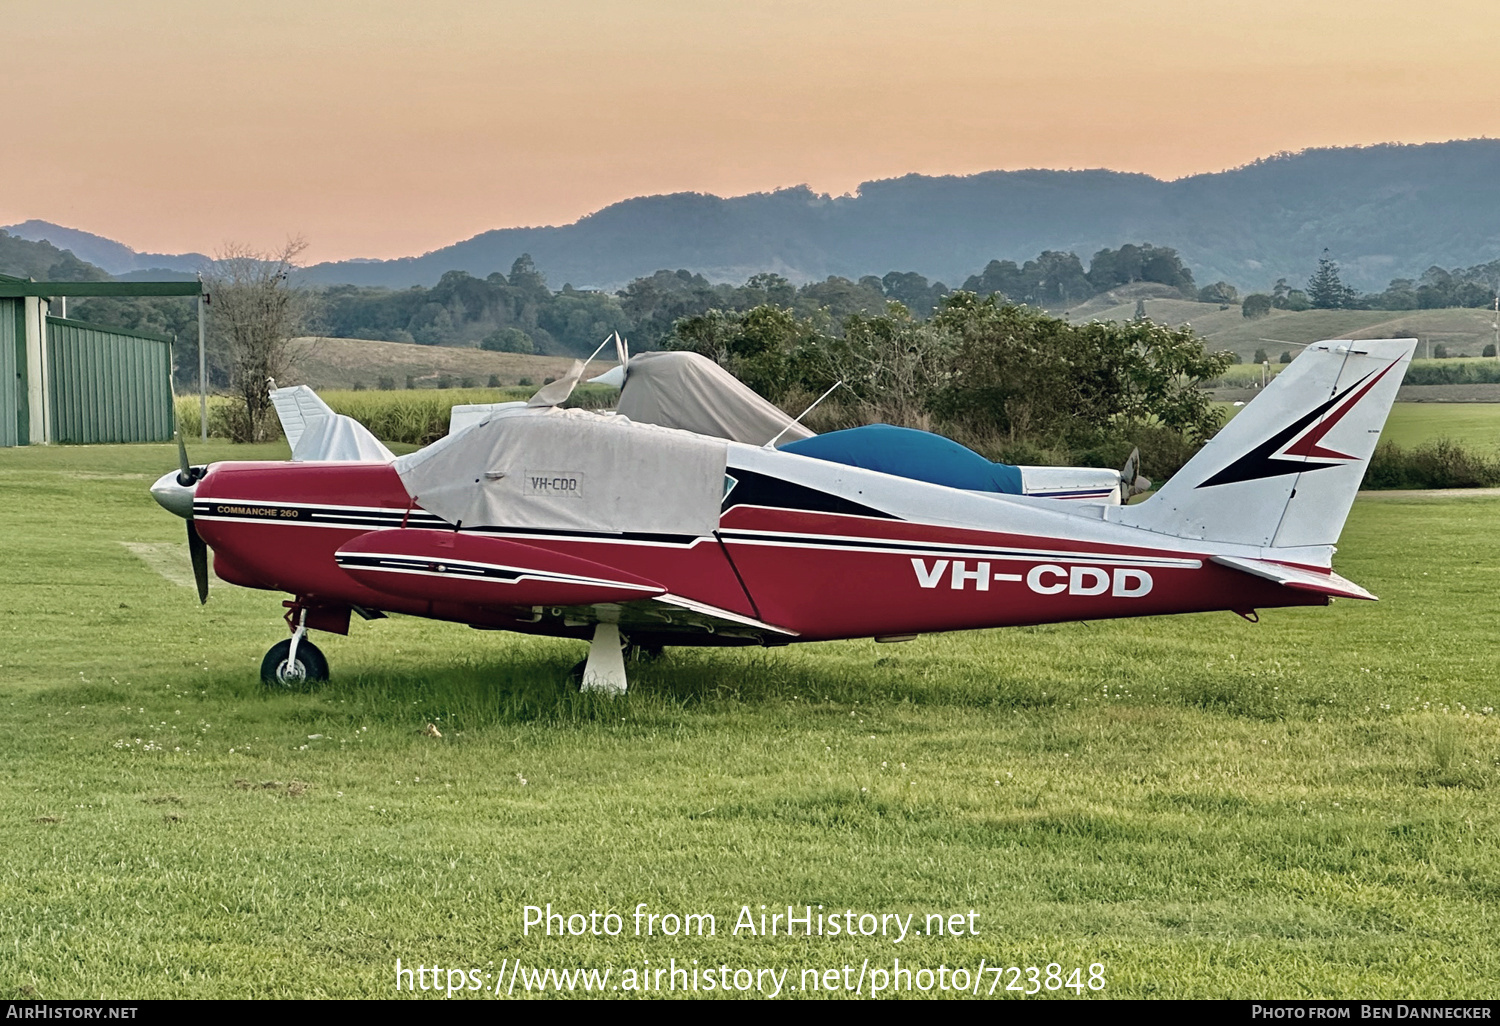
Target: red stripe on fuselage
{"type": "Point", "coordinates": [293, 554]}
{"type": "Point", "coordinates": [825, 589]}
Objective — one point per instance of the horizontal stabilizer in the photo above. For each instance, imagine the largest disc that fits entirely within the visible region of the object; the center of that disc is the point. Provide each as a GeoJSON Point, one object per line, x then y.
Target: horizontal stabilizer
{"type": "Point", "coordinates": [447, 566]}
{"type": "Point", "coordinates": [1325, 582]}
{"type": "Point", "coordinates": [317, 434]}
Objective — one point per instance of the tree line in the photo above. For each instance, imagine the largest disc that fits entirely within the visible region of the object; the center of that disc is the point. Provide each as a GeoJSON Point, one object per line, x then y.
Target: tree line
{"type": "Point", "coordinates": [1437, 288]}
{"type": "Point", "coordinates": [519, 312]}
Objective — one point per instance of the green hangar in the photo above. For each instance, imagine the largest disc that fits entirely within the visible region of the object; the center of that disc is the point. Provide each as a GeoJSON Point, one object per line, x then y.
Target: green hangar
{"type": "Point", "coordinates": [70, 381]}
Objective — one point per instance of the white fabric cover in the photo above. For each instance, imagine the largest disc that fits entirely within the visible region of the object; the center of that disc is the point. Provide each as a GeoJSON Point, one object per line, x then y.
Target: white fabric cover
{"type": "Point", "coordinates": [468, 414]}
{"type": "Point", "coordinates": [315, 432]}
{"type": "Point", "coordinates": [691, 392]}
{"type": "Point", "coordinates": [573, 470]}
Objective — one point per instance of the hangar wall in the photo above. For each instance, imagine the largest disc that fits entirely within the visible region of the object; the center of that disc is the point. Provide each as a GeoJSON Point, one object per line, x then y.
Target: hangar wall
{"type": "Point", "coordinates": [71, 381]}
{"type": "Point", "coordinates": [107, 384]}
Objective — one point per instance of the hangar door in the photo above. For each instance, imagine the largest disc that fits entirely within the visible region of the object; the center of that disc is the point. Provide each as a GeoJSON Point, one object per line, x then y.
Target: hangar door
{"type": "Point", "coordinates": [108, 385]}
{"type": "Point", "coordinates": [14, 410]}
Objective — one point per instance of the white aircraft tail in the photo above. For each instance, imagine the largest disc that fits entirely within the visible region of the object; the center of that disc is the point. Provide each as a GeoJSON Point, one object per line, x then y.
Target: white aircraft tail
{"type": "Point", "coordinates": [1283, 474]}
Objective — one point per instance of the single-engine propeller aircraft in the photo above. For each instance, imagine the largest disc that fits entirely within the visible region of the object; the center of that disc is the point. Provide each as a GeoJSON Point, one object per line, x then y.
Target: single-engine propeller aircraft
{"type": "Point", "coordinates": [630, 527]}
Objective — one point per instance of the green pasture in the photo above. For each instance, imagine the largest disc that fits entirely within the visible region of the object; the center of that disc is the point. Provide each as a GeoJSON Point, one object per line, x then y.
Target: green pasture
{"type": "Point", "coordinates": [1304, 807]}
{"type": "Point", "coordinates": [1475, 425]}
{"type": "Point", "coordinates": [1461, 330]}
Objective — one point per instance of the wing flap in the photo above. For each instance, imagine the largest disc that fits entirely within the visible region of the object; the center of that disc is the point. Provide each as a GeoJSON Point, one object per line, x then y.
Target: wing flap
{"type": "Point", "coordinates": [1324, 582]}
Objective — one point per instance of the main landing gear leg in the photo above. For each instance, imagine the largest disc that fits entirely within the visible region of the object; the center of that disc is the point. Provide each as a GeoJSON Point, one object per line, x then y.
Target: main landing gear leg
{"type": "Point", "coordinates": [297, 635]}
{"type": "Point", "coordinates": [605, 668]}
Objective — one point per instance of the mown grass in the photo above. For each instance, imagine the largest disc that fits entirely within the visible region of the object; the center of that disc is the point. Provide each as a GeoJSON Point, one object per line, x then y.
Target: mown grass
{"type": "Point", "coordinates": [1307, 807]}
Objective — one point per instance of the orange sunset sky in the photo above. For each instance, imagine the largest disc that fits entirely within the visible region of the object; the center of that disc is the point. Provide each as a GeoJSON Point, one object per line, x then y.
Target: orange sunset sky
{"type": "Point", "coordinates": [380, 129]}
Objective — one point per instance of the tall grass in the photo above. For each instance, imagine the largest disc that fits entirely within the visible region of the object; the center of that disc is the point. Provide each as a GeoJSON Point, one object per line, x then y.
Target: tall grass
{"type": "Point", "coordinates": [412, 416]}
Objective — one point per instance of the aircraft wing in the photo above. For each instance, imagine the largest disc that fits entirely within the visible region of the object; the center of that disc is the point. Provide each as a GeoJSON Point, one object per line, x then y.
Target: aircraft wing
{"type": "Point", "coordinates": [447, 566]}
{"type": "Point", "coordinates": [1325, 582]}
{"type": "Point", "coordinates": [451, 567]}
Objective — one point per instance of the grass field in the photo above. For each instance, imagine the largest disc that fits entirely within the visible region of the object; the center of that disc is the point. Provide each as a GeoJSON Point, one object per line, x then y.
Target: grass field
{"type": "Point", "coordinates": [1463, 331]}
{"type": "Point", "coordinates": [343, 363]}
{"type": "Point", "coordinates": [405, 416]}
{"type": "Point", "coordinates": [1307, 807]}
{"type": "Point", "coordinates": [1475, 425]}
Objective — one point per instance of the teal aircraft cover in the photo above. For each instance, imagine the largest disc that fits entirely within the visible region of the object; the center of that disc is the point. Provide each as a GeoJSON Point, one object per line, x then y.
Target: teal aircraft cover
{"type": "Point", "coordinates": [907, 452]}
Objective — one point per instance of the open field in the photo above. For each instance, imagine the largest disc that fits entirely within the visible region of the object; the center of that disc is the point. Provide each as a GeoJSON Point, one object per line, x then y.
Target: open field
{"type": "Point", "coordinates": [343, 363]}
{"type": "Point", "coordinates": [1474, 425]}
{"type": "Point", "coordinates": [1463, 331]}
{"type": "Point", "coordinates": [1307, 807]}
{"type": "Point", "coordinates": [403, 416]}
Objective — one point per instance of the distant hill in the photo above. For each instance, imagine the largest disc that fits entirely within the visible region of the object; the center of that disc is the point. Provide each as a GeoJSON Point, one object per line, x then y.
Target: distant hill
{"type": "Point", "coordinates": [43, 261]}
{"type": "Point", "coordinates": [1382, 211]}
{"type": "Point", "coordinates": [115, 257]}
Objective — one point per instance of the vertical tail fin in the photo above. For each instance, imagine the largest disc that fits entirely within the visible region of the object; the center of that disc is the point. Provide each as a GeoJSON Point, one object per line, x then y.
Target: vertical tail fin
{"type": "Point", "coordinates": [1284, 473]}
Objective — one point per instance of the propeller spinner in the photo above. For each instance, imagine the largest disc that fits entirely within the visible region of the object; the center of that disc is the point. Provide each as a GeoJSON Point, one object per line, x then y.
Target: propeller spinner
{"type": "Point", "coordinates": [174, 492]}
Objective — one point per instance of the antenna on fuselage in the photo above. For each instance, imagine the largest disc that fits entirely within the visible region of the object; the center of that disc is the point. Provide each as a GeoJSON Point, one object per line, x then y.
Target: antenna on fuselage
{"type": "Point", "coordinates": [798, 419]}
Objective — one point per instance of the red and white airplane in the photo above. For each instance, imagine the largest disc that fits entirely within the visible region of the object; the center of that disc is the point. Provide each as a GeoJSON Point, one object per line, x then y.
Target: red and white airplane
{"type": "Point", "coordinates": [597, 527]}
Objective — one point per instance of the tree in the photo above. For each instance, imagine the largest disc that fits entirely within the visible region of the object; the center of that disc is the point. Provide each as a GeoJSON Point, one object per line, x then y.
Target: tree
{"type": "Point", "coordinates": [1261, 357]}
{"type": "Point", "coordinates": [1325, 290]}
{"type": "Point", "coordinates": [255, 312]}
{"type": "Point", "coordinates": [1257, 304]}
{"type": "Point", "coordinates": [1019, 372]}
{"type": "Point", "coordinates": [1286, 356]}
{"type": "Point", "coordinates": [508, 340]}
{"type": "Point", "coordinates": [1220, 292]}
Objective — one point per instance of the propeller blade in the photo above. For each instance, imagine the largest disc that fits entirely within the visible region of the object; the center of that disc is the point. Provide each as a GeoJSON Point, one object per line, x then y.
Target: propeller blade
{"type": "Point", "coordinates": [198, 549]}
{"type": "Point", "coordinates": [1131, 481]}
{"type": "Point", "coordinates": [185, 477]}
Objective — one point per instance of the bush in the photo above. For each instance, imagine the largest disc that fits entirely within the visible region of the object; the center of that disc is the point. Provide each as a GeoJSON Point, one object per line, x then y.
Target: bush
{"type": "Point", "coordinates": [387, 384]}
{"type": "Point", "coordinates": [1286, 356]}
{"type": "Point", "coordinates": [494, 381]}
{"type": "Point", "coordinates": [1488, 350]}
{"type": "Point", "coordinates": [1440, 464]}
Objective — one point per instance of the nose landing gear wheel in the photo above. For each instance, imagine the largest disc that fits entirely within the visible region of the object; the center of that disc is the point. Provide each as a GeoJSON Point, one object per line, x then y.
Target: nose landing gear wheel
{"type": "Point", "coordinates": [311, 666]}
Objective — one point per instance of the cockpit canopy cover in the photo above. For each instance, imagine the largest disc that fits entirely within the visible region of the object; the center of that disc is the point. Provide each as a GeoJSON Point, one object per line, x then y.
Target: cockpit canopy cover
{"type": "Point", "coordinates": [691, 392]}
{"type": "Point", "coordinates": [570, 470]}
{"type": "Point", "coordinates": [907, 452]}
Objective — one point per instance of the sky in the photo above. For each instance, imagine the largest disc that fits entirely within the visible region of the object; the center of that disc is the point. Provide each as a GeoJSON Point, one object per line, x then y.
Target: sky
{"type": "Point", "coordinates": [379, 129]}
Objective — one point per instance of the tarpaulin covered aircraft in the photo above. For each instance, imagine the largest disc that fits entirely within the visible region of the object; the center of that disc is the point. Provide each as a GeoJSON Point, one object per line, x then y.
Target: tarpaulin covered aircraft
{"type": "Point", "coordinates": [606, 528]}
